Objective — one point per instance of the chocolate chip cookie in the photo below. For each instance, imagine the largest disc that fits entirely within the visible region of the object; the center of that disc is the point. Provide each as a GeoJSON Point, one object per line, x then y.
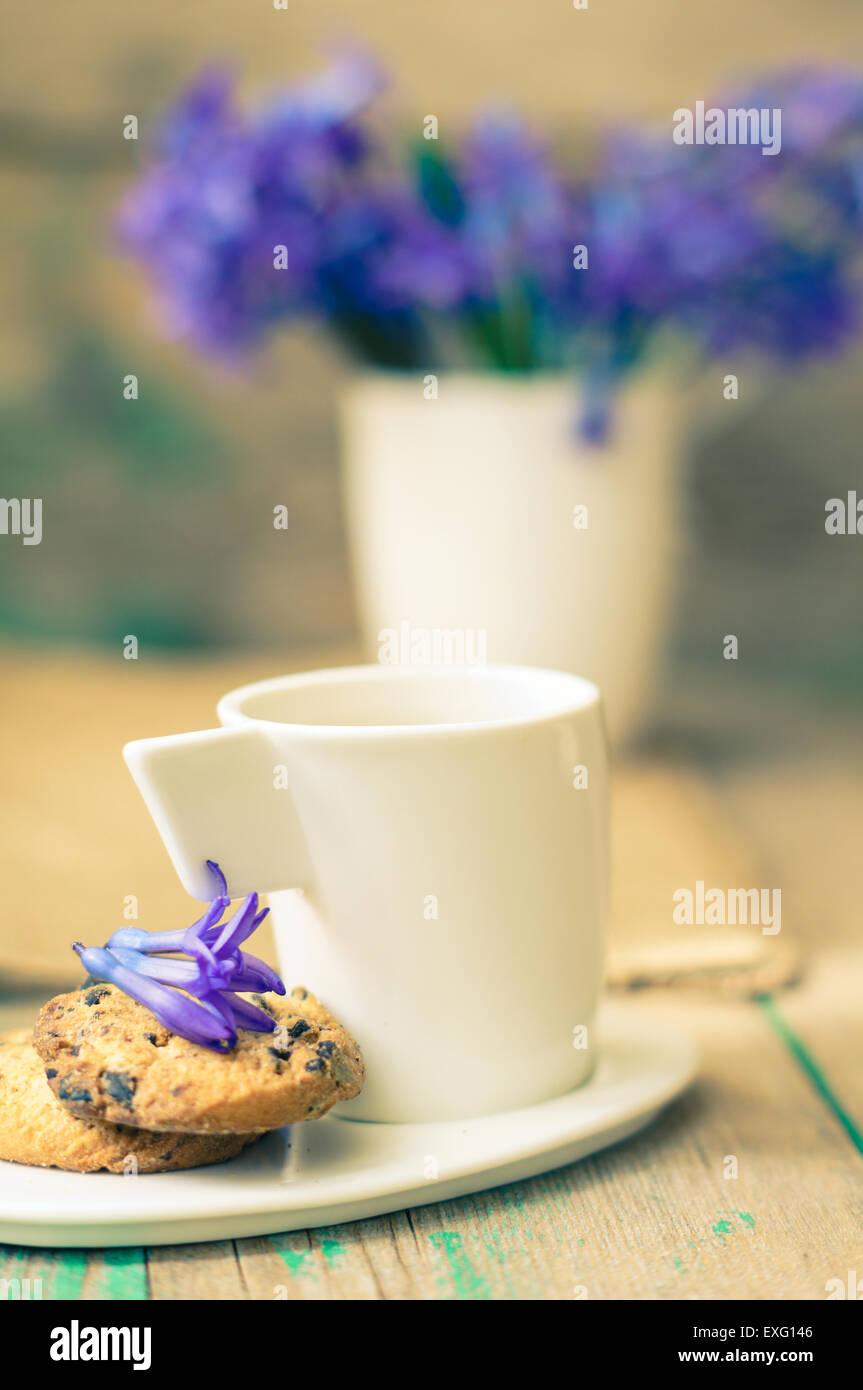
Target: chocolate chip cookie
{"type": "Point", "coordinates": [36, 1129]}
{"type": "Point", "coordinates": [108, 1058]}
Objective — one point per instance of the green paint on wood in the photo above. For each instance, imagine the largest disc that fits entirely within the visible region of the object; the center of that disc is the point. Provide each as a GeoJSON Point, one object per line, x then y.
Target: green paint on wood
{"type": "Point", "coordinates": [466, 1282]}
{"type": "Point", "coordinates": [726, 1227]}
{"type": "Point", "coordinates": [294, 1259]}
{"type": "Point", "coordinates": [332, 1251]}
{"type": "Point", "coordinates": [123, 1276]}
{"type": "Point", "coordinates": [29, 1285]}
{"type": "Point", "coordinates": [66, 1274]}
{"type": "Point", "coordinates": [14, 1253]}
{"type": "Point", "coordinates": [495, 1251]}
{"type": "Point", "coordinates": [723, 1229]}
{"type": "Point", "coordinates": [512, 1198]}
{"type": "Point", "coordinates": [808, 1065]}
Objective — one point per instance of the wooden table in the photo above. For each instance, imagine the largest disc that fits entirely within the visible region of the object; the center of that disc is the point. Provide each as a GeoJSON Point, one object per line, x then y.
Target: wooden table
{"type": "Point", "coordinates": [779, 1102]}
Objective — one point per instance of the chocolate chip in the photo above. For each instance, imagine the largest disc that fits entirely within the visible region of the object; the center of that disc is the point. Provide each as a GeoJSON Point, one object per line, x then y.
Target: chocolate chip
{"type": "Point", "coordinates": [151, 1038]}
{"type": "Point", "coordinates": [120, 1086]}
{"type": "Point", "coordinates": [259, 999]}
{"type": "Point", "coordinates": [94, 995]}
{"type": "Point", "coordinates": [50, 1072]}
{"type": "Point", "coordinates": [68, 1091]}
{"type": "Point", "coordinates": [315, 1064]}
{"type": "Point", "coordinates": [279, 1055]}
{"type": "Point", "coordinates": [73, 1051]}
{"type": "Point", "coordinates": [326, 1049]}
{"type": "Point", "coordinates": [299, 1029]}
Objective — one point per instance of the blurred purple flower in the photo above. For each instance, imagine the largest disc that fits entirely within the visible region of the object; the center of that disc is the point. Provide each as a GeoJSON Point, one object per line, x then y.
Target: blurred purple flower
{"type": "Point", "coordinates": [225, 189]}
{"type": "Point", "coordinates": [470, 255]}
{"type": "Point", "coordinates": [736, 250]}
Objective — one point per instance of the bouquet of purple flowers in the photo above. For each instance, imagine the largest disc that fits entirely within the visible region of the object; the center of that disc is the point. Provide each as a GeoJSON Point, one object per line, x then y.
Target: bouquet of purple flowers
{"type": "Point", "coordinates": [492, 256]}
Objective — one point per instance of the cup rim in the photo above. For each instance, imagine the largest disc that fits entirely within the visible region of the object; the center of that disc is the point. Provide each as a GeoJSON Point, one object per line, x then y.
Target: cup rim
{"type": "Point", "coordinates": [577, 695]}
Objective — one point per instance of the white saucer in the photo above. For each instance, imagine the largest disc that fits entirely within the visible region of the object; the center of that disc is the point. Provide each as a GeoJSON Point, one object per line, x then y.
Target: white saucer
{"type": "Point", "coordinates": [342, 1170]}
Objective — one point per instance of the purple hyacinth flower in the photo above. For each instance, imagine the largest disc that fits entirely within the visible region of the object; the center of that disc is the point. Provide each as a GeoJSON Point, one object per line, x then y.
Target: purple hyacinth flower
{"type": "Point", "coordinates": [140, 940]}
{"type": "Point", "coordinates": [196, 1019]}
{"type": "Point", "coordinates": [223, 188]}
{"type": "Point", "coordinates": [472, 261]}
{"type": "Point", "coordinates": [203, 961]}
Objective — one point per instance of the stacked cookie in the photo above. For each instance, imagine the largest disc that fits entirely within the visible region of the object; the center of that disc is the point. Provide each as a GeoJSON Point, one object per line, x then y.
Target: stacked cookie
{"type": "Point", "coordinates": [102, 1084]}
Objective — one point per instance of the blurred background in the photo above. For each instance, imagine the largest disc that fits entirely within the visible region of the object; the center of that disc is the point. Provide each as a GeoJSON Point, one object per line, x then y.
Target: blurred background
{"type": "Point", "coordinates": [140, 501]}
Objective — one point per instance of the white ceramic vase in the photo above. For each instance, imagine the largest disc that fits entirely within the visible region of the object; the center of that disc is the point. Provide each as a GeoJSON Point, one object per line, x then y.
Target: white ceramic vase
{"type": "Point", "coordinates": [483, 528]}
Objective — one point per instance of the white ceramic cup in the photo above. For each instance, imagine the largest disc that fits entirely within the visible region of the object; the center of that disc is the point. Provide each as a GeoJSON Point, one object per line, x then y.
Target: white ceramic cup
{"type": "Point", "coordinates": [450, 862]}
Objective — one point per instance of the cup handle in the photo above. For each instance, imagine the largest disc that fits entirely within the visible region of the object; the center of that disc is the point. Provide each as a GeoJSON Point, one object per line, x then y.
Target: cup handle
{"type": "Point", "coordinates": [220, 794]}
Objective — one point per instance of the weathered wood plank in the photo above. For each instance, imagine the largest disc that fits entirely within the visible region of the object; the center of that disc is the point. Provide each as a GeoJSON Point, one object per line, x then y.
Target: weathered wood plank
{"type": "Point", "coordinates": [811, 847]}
{"type": "Point", "coordinates": [116, 1275]}
{"type": "Point", "coordinates": [205, 1270]}
{"type": "Point", "coordinates": [330, 1263]}
{"type": "Point", "coordinates": [43, 1274]}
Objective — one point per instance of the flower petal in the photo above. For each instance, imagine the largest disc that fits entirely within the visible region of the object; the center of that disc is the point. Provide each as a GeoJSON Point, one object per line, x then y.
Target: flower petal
{"type": "Point", "coordinates": [195, 1019]}
{"type": "Point", "coordinates": [252, 967]}
{"type": "Point", "coordinates": [137, 939]}
{"type": "Point", "coordinates": [239, 927]}
{"type": "Point", "coordinates": [248, 1015]}
{"type": "Point", "coordinates": [221, 885]}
